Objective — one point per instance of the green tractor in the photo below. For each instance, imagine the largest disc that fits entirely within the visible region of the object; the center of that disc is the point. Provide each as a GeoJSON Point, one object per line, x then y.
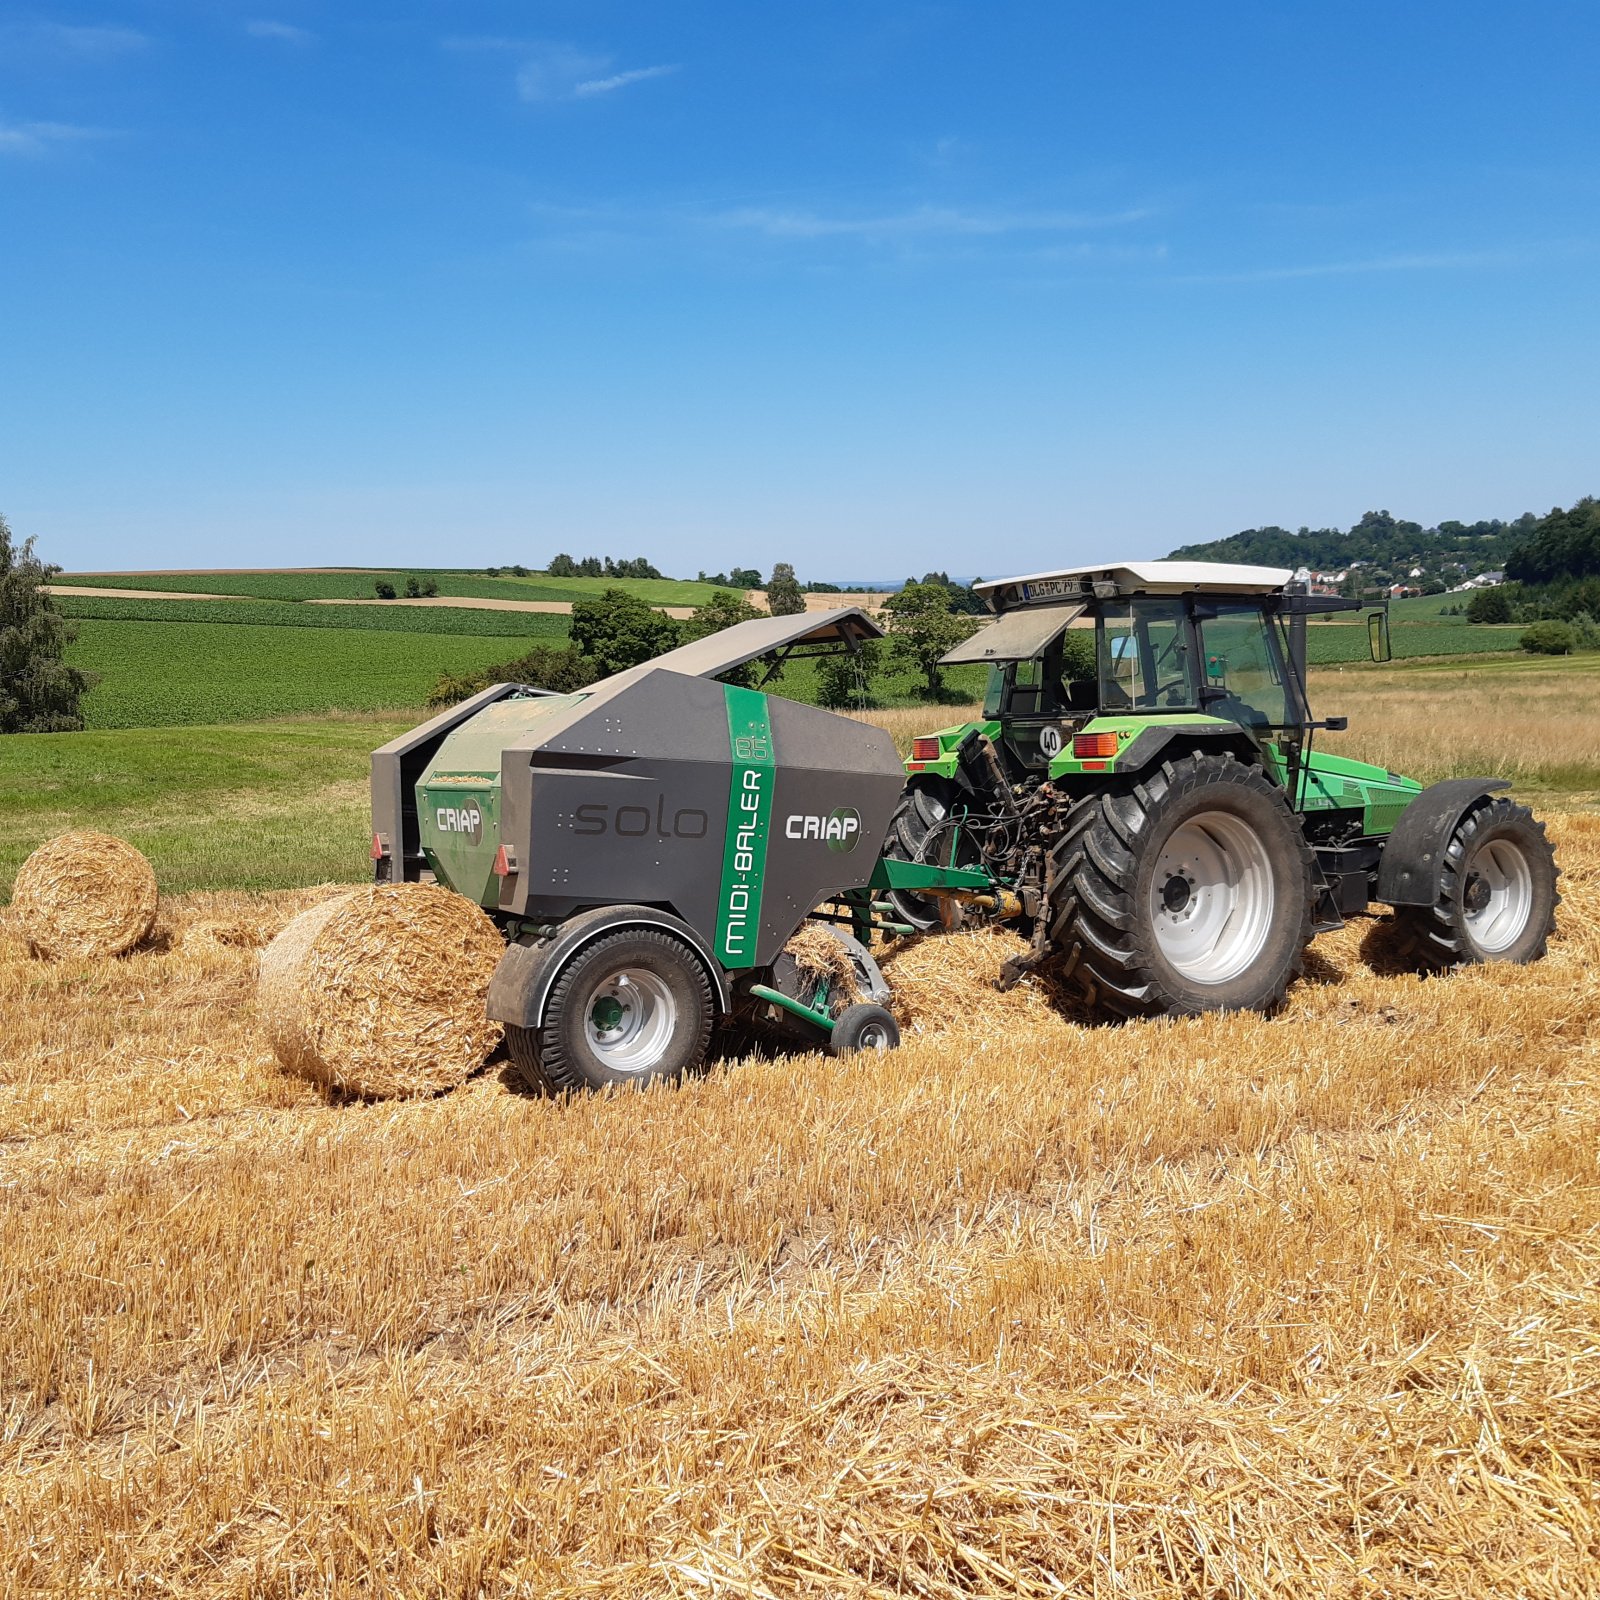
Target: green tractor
{"type": "Point", "coordinates": [1144, 792]}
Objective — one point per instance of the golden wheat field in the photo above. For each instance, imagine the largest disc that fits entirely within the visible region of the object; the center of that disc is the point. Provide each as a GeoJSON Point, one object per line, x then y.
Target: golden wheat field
{"type": "Point", "coordinates": [1227, 1306]}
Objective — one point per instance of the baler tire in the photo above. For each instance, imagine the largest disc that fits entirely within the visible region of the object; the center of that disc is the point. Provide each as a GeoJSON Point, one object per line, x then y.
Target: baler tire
{"type": "Point", "coordinates": [1109, 940]}
{"type": "Point", "coordinates": [1446, 934]}
{"type": "Point", "coordinates": [658, 1012]}
{"type": "Point", "coordinates": [864, 1027]}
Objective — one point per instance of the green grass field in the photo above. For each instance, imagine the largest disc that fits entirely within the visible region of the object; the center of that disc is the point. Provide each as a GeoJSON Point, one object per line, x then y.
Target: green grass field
{"type": "Point", "coordinates": [532, 625]}
{"type": "Point", "coordinates": [160, 674]}
{"type": "Point", "coordinates": [266, 805]}
{"type": "Point", "coordinates": [359, 585]}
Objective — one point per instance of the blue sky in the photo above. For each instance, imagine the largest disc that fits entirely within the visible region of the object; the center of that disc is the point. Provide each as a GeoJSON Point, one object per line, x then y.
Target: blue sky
{"type": "Point", "coordinates": [869, 287]}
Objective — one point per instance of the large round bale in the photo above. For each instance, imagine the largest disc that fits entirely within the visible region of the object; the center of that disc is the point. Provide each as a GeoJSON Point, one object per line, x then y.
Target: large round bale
{"type": "Point", "coordinates": [380, 992]}
{"type": "Point", "coordinates": [84, 894]}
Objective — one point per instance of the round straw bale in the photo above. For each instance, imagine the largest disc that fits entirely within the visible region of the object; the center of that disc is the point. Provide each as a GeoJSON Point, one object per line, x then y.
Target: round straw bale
{"type": "Point", "coordinates": [380, 992]}
{"type": "Point", "coordinates": [84, 894]}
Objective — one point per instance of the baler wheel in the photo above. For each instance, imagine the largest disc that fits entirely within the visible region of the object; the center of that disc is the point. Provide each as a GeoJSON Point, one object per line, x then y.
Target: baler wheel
{"type": "Point", "coordinates": [630, 1008]}
{"type": "Point", "coordinates": [1497, 894]}
{"type": "Point", "coordinates": [863, 1027]}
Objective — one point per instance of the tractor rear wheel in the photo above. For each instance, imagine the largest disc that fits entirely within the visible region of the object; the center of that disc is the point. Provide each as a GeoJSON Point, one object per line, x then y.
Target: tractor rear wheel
{"type": "Point", "coordinates": [629, 1008]}
{"type": "Point", "coordinates": [918, 832]}
{"type": "Point", "coordinates": [1188, 891]}
{"type": "Point", "coordinates": [1497, 893]}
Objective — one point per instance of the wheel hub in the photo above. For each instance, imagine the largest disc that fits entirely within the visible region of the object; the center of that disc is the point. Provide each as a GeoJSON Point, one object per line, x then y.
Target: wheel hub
{"type": "Point", "coordinates": [1177, 893]}
{"type": "Point", "coordinates": [632, 1017]}
{"type": "Point", "coordinates": [1476, 896]}
{"type": "Point", "coordinates": [1212, 897]}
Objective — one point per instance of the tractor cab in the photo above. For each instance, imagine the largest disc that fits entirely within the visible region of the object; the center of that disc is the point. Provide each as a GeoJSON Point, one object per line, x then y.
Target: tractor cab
{"type": "Point", "coordinates": [1158, 639]}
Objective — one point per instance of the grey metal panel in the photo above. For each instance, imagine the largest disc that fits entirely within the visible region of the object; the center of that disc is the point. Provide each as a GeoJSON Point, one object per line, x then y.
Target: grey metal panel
{"type": "Point", "coordinates": [825, 763]}
{"type": "Point", "coordinates": [732, 647]}
{"type": "Point", "coordinates": [627, 799]}
{"type": "Point", "coordinates": [1017, 636]}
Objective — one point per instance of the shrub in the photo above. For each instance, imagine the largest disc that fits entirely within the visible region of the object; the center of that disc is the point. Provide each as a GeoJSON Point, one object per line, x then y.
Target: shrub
{"type": "Point", "coordinates": [1489, 605]}
{"type": "Point", "coordinates": [383, 590]}
{"type": "Point", "coordinates": [1548, 639]}
{"type": "Point", "coordinates": [543, 667]}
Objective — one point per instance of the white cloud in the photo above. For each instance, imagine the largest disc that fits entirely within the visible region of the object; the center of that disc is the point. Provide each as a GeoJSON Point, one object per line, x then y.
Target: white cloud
{"type": "Point", "coordinates": [1435, 261]}
{"type": "Point", "coordinates": [922, 222]}
{"type": "Point", "coordinates": [619, 80]}
{"type": "Point", "coordinates": [552, 72]}
{"type": "Point", "coordinates": [35, 138]}
{"type": "Point", "coordinates": [283, 32]}
{"type": "Point", "coordinates": [86, 43]}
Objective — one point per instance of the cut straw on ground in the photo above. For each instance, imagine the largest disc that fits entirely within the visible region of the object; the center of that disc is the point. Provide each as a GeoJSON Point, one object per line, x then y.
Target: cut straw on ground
{"type": "Point", "coordinates": [1217, 1307]}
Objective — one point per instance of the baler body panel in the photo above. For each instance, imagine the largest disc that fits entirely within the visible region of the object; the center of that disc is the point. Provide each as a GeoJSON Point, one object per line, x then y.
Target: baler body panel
{"type": "Point", "coordinates": [734, 810]}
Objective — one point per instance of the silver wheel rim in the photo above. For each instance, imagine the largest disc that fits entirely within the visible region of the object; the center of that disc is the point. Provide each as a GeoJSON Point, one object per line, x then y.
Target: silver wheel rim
{"type": "Point", "coordinates": [1212, 897]}
{"type": "Point", "coordinates": [873, 1037]}
{"type": "Point", "coordinates": [629, 1019]}
{"type": "Point", "coordinates": [1497, 897]}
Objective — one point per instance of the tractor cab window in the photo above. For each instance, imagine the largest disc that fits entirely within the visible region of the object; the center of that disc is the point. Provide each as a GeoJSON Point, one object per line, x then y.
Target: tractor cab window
{"type": "Point", "coordinates": [1145, 659]}
{"type": "Point", "coordinates": [1244, 657]}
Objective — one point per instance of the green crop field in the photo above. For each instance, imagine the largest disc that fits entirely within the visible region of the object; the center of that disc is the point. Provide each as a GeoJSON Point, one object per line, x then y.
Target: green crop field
{"type": "Point", "coordinates": [162, 673]}
{"type": "Point", "coordinates": [529, 625]}
{"type": "Point", "coordinates": [1328, 645]}
{"type": "Point", "coordinates": [359, 585]}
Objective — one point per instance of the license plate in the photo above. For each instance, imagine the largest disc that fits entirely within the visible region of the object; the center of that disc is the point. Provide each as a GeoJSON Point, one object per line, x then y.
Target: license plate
{"type": "Point", "coordinates": [1050, 588]}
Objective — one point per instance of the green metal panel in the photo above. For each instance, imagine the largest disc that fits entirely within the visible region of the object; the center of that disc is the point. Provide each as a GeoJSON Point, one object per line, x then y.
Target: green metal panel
{"type": "Point", "coordinates": [458, 794]}
{"type": "Point", "coordinates": [1127, 728]}
{"type": "Point", "coordinates": [744, 860]}
{"type": "Point", "coordinates": [949, 738]}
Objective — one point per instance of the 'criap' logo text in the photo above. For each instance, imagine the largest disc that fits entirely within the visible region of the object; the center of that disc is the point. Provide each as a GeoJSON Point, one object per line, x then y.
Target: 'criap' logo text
{"type": "Point", "coordinates": [839, 830]}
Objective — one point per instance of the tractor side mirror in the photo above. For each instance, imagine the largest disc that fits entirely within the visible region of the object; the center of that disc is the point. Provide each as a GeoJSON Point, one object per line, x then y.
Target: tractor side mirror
{"type": "Point", "coordinates": [1336, 724]}
{"type": "Point", "coordinates": [1378, 636]}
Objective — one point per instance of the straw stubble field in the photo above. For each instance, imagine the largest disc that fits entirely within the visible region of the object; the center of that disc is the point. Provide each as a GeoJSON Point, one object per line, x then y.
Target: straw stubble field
{"type": "Point", "coordinates": [1225, 1306]}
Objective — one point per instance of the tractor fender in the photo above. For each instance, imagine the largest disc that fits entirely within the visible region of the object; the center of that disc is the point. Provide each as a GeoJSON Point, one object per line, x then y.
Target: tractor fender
{"type": "Point", "coordinates": [1150, 744]}
{"type": "Point", "coordinates": [521, 984]}
{"type": "Point", "coordinates": [1413, 854]}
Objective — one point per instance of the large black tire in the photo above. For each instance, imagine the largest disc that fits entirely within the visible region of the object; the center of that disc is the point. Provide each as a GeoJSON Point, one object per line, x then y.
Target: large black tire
{"type": "Point", "coordinates": [1498, 853]}
{"type": "Point", "coordinates": [1142, 882]}
{"type": "Point", "coordinates": [634, 1007]}
{"type": "Point", "coordinates": [924, 805]}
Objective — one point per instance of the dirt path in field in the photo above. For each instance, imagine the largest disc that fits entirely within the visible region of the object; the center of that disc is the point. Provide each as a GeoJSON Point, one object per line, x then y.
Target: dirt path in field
{"type": "Point", "coordinates": [472, 603]}
{"type": "Point", "coordinates": [138, 594]}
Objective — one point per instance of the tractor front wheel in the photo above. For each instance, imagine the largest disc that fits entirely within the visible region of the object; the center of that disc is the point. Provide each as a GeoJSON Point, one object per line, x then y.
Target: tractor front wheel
{"type": "Point", "coordinates": [1188, 891]}
{"type": "Point", "coordinates": [1497, 893]}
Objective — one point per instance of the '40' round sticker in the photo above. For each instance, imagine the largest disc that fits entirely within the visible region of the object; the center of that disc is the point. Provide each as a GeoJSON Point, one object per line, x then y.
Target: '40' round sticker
{"type": "Point", "coordinates": [1050, 741]}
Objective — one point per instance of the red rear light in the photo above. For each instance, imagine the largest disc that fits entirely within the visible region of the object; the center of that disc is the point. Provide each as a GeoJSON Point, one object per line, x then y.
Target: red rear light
{"type": "Point", "coordinates": [1093, 746]}
{"type": "Point", "coordinates": [504, 865]}
{"type": "Point", "coordinates": [379, 848]}
{"type": "Point", "coordinates": [925, 750]}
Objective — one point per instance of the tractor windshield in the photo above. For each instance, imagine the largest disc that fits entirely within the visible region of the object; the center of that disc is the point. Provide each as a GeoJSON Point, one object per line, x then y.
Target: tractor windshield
{"type": "Point", "coordinates": [1145, 659]}
{"type": "Point", "coordinates": [1245, 677]}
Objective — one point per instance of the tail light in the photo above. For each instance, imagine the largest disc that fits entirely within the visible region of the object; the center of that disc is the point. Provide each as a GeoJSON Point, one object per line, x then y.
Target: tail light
{"type": "Point", "coordinates": [505, 864]}
{"type": "Point", "coordinates": [1094, 746]}
{"type": "Point", "coordinates": [380, 850]}
{"type": "Point", "coordinates": [925, 750]}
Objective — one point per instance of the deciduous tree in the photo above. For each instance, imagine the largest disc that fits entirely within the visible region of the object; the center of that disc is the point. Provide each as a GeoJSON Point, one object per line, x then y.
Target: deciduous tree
{"type": "Point", "coordinates": [39, 692]}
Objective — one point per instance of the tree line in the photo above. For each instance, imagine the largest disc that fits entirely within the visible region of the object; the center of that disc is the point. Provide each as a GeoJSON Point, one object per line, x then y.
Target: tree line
{"type": "Point", "coordinates": [617, 630]}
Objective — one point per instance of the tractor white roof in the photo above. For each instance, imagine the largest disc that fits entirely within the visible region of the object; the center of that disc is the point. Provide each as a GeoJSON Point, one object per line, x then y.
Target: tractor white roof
{"type": "Point", "coordinates": [1137, 577]}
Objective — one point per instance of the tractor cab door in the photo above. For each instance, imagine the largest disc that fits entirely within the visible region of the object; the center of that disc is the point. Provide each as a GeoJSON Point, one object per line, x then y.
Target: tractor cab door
{"type": "Point", "coordinates": [1247, 679]}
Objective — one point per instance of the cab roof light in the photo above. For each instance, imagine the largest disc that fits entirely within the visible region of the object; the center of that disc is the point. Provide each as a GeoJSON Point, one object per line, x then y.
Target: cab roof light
{"type": "Point", "coordinates": [1093, 746]}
